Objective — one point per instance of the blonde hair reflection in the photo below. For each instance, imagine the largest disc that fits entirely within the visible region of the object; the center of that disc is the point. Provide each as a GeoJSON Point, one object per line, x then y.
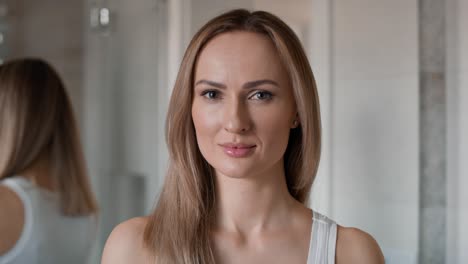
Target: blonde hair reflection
{"type": "Point", "coordinates": [37, 122]}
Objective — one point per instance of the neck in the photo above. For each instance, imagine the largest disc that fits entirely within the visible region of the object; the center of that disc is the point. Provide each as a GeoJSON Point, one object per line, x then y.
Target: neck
{"type": "Point", "coordinates": [39, 173]}
{"type": "Point", "coordinates": [253, 204]}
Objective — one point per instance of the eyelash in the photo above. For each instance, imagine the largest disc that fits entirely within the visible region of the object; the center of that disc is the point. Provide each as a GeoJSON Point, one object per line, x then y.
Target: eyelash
{"type": "Point", "coordinates": [269, 95]}
{"type": "Point", "coordinates": [206, 92]}
{"type": "Point", "coordinates": [265, 93]}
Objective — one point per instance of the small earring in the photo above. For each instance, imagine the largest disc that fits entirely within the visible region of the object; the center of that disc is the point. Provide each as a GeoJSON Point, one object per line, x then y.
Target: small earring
{"type": "Point", "coordinates": [295, 123]}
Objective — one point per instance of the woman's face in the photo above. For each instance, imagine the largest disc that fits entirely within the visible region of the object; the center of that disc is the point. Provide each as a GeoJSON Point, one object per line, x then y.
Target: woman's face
{"type": "Point", "coordinates": [243, 105]}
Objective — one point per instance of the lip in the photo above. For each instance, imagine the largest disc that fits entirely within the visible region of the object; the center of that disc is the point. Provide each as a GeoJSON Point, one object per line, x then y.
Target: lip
{"type": "Point", "coordinates": [238, 150]}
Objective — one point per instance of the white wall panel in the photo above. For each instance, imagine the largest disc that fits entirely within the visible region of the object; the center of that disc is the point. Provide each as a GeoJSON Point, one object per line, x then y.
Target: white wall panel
{"type": "Point", "coordinates": [375, 113]}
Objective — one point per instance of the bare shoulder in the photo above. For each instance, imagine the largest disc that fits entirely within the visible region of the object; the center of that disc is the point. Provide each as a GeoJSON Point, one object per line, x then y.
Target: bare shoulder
{"type": "Point", "coordinates": [125, 243]}
{"type": "Point", "coordinates": [11, 227]}
{"type": "Point", "coordinates": [356, 246]}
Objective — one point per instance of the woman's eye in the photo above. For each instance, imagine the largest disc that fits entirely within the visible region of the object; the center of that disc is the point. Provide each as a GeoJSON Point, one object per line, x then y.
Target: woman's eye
{"type": "Point", "coordinates": [210, 94]}
{"type": "Point", "coordinates": [262, 95]}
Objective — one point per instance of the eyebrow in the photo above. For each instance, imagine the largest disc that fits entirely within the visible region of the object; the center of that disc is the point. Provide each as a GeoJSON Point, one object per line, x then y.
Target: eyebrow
{"type": "Point", "coordinates": [247, 85]}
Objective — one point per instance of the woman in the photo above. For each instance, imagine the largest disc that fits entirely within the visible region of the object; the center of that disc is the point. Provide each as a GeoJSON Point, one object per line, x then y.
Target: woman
{"type": "Point", "coordinates": [46, 205]}
{"type": "Point", "coordinates": [243, 131]}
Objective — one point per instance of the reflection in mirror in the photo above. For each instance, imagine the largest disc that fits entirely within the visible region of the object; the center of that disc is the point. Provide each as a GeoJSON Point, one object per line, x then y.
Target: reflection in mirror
{"type": "Point", "coordinates": [49, 213]}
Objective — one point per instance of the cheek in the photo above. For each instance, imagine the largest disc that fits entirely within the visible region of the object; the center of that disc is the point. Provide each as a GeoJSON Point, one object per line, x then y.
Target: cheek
{"type": "Point", "coordinates": [205, 122]}
{"type": "Point", "coordinates": [273, 127]}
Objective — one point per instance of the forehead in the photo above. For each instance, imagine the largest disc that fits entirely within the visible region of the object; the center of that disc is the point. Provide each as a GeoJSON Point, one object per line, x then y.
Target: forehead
{"type": "Point", "coordinates": [240, 55]}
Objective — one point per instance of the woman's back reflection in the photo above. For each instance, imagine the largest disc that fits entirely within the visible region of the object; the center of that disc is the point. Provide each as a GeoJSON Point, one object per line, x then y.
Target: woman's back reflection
{"type": "Point", "coordinates": [47, 209]}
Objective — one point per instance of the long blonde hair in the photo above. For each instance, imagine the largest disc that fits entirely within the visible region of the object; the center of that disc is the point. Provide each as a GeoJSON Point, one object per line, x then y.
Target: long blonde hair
{"type": "Point", "coordinates": [178, 231]}
{"type": "Point", "coordinates": [37, 121]}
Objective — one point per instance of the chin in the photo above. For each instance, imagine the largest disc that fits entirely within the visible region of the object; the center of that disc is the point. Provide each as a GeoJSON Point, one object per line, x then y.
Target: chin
{"type": "Point", "coordinates": [231, 174]}
{"type": "Point", "coordinates": [236, 171]}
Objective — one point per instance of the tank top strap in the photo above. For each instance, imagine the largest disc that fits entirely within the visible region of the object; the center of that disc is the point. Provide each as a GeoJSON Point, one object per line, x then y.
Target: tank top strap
{"type": "Point", "coordinates": [19, 186]}
{"type": "Point", "coordinates": [322, 246]}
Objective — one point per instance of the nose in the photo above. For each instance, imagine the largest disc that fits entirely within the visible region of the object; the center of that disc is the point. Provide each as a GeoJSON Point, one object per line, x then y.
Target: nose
{"type": "Point", "coordinates": [236, 118]}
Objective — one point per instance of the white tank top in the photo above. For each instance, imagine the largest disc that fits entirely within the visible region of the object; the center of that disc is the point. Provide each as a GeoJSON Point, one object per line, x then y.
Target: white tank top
{"type": "Point", "coordinates": [322, 240]}
{"type": "Point", "coordinates": [48, 236]}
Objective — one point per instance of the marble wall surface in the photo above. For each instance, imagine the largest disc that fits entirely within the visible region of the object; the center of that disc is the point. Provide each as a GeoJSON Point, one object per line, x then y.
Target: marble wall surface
{"type": "Point", "coordinates": [433, 136]}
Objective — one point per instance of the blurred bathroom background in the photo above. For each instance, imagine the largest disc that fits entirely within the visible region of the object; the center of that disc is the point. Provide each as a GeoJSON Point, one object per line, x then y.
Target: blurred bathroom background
{"type": "Point", "coordinates": [393, 84]}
